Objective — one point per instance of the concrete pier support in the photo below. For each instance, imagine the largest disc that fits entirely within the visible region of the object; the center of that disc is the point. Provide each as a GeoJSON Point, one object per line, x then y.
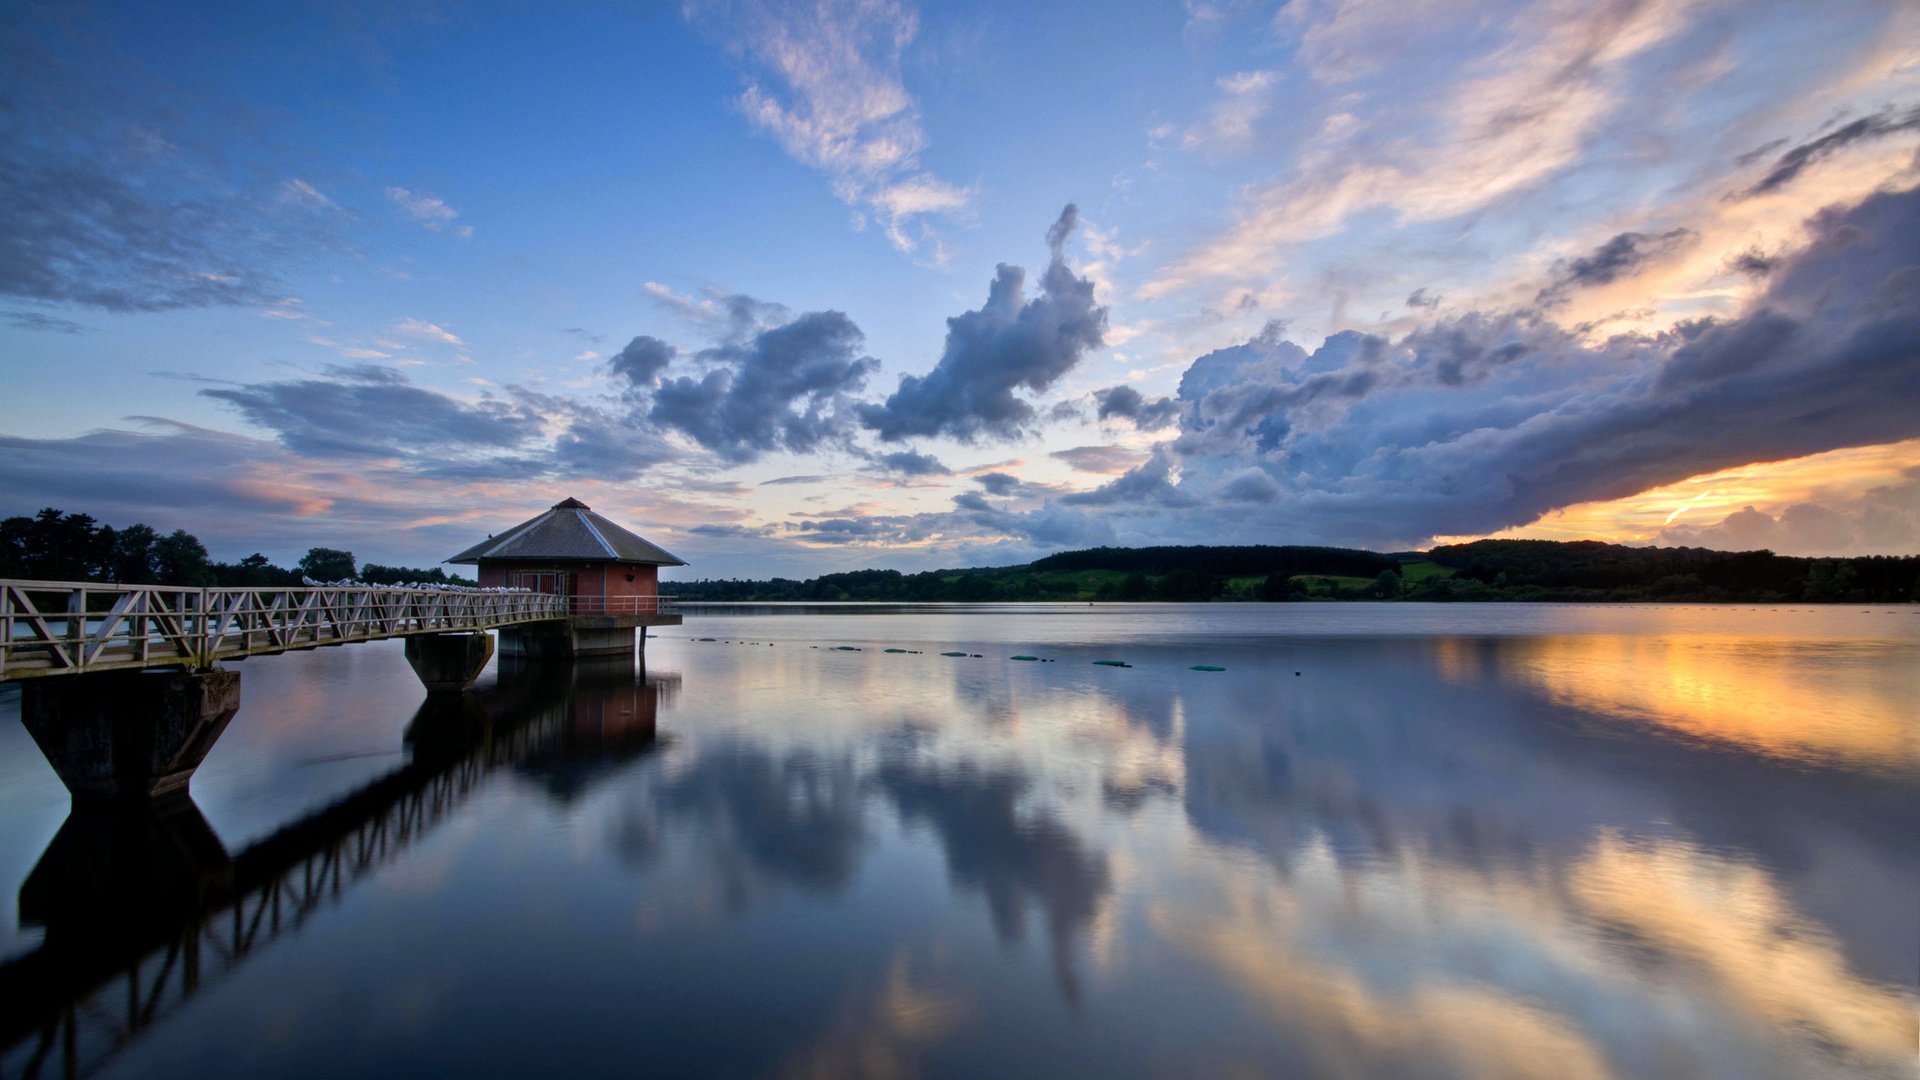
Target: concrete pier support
{"type": "Point", "coordinates": [579, 636]}
{"type": "Point", "coordinates": [448, 663]}
{"type": "Point", "coordinates": [128, 735]}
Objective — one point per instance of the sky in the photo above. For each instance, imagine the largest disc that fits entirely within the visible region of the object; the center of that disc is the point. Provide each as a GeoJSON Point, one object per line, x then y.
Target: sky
{"type": "Point", "coordinates": [798, 288]}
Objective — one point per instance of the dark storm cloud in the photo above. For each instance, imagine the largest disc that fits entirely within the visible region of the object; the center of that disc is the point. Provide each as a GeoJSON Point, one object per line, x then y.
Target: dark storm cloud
{"type": "Point", "coordinates": [115, 200]}
{"type": "Point", "coordinates": [1124, 402]}
{"type": "Point", "coordinates": [1623, 256]}
{"type": "Point", "coordinates": [367, 411]}
{"type": "Point", "coordinates": [909, 463]}
{"type": "Point", "coordinates": [642, 361]}
{"type": "Point", "coordinates": [1010, 343]}
{"type": "Point", "coordinates": [1475, 344]}
{"type": "Point", "coordinates": [1795, 161]}
{"type": "Point", "coordinates": [786, 387]}
{"type": "Point", "coordinates": [1489, 420]}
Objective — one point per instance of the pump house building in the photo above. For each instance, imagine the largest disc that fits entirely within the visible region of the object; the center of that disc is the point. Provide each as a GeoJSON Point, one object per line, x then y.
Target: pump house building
{"type": "Point", "coordinates": [610, 575]}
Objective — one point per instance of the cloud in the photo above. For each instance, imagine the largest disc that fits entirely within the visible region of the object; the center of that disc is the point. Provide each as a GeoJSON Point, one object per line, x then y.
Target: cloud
{"type": "Point", "coordinates": [1009, 343]}
{"type": "Point", "coordinates": [1100, 460]}
{"type": "Point", "coordinates": [642, 361]}
{"type": "Point", "coordinates": [1520, 117]}
{"type": "Point", "coordinates": [34, 320]}
{"type": "Point", "coordinates": [783, 480]}
{"type": "Point", "coordinates": [1623, 256]}
{"type": "Point", "coordinates": [1418, 298]}
{"type": "Point", "coordinates": [833, 98]}
{"type": "Point", "coordinates": [909, 463]}
{"type": "Point", "coordinates": [363, 410]}
{"type": "Point", "coordinates": [1488, 419]}
{"type": "Point", "coordinates": [785, 388]}
{"type": "Point", "coordinates": [116, 202]}
{"type": "Point", "coordinates": [1788, 166]}
{"type": "Point", "coordinates": [431, 213]}
{"type": "Point", "coordinates": [998, 484]}
{"type": "Point", "coordinates": [426, 331]}
{"type": "Point", "coordinates": [730, 317]}
{"type": "Point", "coordinates": [1124, 402]}
{"type": "Point", "coordinates": [1245, 98]}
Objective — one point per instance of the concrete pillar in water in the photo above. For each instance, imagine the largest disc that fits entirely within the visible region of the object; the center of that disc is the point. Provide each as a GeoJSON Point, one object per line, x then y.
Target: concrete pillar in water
{"type": "Point", "coordinates": [565, 639]}
{"type": "Point", "coordinates": [128, 735]}
{"type": "Point", "coordinates": [448, 663]}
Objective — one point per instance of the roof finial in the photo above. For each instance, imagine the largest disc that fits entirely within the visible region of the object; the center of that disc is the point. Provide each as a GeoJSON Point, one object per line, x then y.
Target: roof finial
{"type": "Point", "coordinates": [571, 504]}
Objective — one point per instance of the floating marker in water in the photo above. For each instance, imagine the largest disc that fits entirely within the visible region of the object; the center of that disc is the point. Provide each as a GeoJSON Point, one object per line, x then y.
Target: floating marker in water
{"type": "Point", "coordinates": [846, 648]}
{"type": "Point", "coordinates": [705, 639]}
{"type": "Point", "coordinates": [953, 654]}
{"type": "Point", "coordinates": [896, 650]}
{"type": "Point", "coordinates": [1113, 663]}
{"type": "Point", "coordinates": [1207, 667]}
{"type": "Point", "coordinates": [1026, 658]}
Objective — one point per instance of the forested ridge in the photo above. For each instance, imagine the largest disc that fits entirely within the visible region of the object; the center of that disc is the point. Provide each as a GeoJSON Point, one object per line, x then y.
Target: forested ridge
{"type": "Point", "coordinates": [1479, 571]}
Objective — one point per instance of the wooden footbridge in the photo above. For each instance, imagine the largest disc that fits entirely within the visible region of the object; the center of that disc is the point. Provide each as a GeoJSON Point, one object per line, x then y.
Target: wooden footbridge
{"type": "Point", "coordinates": [122, 688]}
{"type": "Point", "coordinates": [73, 628]}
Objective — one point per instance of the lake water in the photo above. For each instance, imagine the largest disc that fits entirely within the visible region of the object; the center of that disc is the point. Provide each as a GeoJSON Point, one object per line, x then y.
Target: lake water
{"type": "Point", "coordinates": [1406, 840]}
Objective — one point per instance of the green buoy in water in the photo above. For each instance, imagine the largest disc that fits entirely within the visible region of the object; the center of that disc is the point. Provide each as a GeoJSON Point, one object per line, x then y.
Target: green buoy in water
{"type": "Point", "coordinates": [953, 654]}
{"type": "Point", "coordinates": [1207, 667]}
{"type": "Point", "coordinates": [1026, 658]}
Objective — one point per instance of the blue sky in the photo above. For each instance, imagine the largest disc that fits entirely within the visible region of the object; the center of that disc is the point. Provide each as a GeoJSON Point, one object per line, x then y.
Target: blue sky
{"type": "Point", "coordinates": [389, 277]}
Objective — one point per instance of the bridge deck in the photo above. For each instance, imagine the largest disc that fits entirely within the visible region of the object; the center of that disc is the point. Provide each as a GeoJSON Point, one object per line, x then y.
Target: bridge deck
{"type": "Point", "coordinates": [70, 628]}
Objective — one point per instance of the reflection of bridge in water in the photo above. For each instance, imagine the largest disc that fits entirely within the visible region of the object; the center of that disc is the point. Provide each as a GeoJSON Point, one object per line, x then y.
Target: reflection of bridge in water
{"type": "Point", "coordinates": [143, 907]}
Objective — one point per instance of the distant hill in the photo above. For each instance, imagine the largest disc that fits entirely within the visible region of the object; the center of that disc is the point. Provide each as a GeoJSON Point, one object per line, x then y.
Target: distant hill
{"type": "Point", "coordinates": [1482, 570]}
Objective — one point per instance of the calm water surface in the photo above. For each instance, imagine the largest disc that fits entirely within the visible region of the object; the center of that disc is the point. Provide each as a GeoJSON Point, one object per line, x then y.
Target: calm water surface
{"type": "Point", "coordinates": [1450, 841]}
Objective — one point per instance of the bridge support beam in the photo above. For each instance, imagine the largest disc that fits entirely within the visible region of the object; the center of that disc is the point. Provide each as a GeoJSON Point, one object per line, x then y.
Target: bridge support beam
{"type": "Point", "coordinates": [128, 735]}
{"type": "Point", "coordinates": [448, 663]}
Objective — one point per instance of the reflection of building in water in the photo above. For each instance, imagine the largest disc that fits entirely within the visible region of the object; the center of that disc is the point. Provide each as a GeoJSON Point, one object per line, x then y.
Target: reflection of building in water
{"type": "Point", "coordinates": [142, 906]}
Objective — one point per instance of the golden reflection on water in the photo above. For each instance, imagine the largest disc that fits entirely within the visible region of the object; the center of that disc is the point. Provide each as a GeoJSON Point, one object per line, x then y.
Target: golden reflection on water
{"type": "Point", "coordinates": [1842, 705]}
{"type": "Point", "coordinates": [1633, 955]}
{"type": "Point", "coordinates": [1727, 922]}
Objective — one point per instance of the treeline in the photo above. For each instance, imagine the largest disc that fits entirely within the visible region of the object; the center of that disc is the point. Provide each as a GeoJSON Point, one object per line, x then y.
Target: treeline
{"type": "Point", "coordinates": [1592, 570]}
{"type": "Point", "coordinates": [1185, 574]}
{"type": "Point", "coordinates": [52, 546]}
{"type": "Point", "coordinates": [1223, 562]}
{"type": "Point", "coordinates": [1486, 570]}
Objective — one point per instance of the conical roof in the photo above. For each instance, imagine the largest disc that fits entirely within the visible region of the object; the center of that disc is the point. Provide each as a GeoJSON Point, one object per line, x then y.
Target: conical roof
{"type": "Point", "coordinates": [569, 532]}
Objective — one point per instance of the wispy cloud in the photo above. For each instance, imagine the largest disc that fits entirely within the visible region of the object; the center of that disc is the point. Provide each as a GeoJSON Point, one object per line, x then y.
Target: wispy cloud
{"type": "Point", "coordinates": [431, 212]}
{"type": "Point", "coordinates": [827, 87]}
{"type": "Point", "coordinates": [1524, 112]}
{"type": "Point", "coordinates": [426, 331]}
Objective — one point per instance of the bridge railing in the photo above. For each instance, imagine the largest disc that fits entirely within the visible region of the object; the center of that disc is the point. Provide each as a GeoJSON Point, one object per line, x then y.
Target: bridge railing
{"type": "Point", "coordinates": [64, 627]}
{"type": "Point", "coordinates": [620, 605]}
